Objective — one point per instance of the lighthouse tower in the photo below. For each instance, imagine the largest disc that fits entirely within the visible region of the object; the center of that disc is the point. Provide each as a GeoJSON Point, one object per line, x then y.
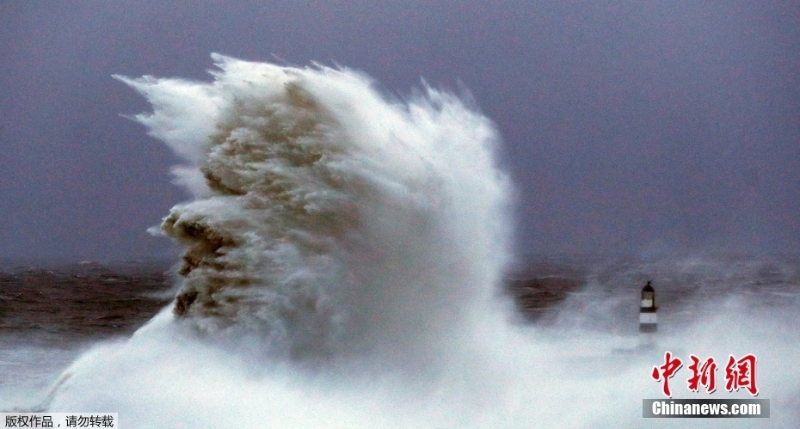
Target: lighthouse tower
{"type": "Point", "coordinates": [648, 321]}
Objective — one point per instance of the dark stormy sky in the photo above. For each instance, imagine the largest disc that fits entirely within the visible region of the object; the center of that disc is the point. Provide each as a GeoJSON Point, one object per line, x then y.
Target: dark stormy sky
{"type": "Point", "coordinates": [628, 125]}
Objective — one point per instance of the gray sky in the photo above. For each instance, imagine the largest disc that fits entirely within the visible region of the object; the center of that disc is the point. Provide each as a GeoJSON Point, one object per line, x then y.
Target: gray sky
{"type": "Point", "coordinates": [627, 125]}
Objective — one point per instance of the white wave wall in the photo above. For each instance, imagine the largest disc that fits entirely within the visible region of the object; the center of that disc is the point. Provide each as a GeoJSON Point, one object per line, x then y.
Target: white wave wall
{"type": "Point", "coordinates": [343, 254]}
{"type": "Point", "coordinates": [333, 234]}
{"type": "Point", "coordinates": [328, 221]}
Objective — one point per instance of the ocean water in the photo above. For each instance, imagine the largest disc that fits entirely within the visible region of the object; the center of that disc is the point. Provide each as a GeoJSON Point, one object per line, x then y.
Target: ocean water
{"type": "Point", "coordinates": [345, 256]}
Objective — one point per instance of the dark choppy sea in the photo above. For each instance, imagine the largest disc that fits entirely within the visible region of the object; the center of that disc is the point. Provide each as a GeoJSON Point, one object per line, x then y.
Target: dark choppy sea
{"type": "Point", "coordinates": [50, 315]}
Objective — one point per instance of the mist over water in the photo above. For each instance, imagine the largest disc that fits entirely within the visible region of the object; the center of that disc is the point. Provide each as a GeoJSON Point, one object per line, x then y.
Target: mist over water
{"type": "Point", "coordinates": [343, 267]}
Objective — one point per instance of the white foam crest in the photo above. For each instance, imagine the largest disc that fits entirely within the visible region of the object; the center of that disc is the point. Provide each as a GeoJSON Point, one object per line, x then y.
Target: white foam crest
{"type": "Point", "coordinates": [327, 220]}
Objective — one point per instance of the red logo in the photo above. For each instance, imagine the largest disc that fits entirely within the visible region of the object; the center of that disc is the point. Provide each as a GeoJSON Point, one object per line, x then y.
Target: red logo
{"type": "Point", "coordinates": [703, 375]}
{"type": "Point", "coordinates": [738, 373]}
{"type": "Point", "coordinates": [667, 371]}
{"type": "Point", "coordinates": [741, 373]}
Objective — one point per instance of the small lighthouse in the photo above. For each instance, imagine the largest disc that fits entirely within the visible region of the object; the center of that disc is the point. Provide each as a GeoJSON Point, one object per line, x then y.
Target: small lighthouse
{"type": "Point", "coordinates": [648, 321]}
